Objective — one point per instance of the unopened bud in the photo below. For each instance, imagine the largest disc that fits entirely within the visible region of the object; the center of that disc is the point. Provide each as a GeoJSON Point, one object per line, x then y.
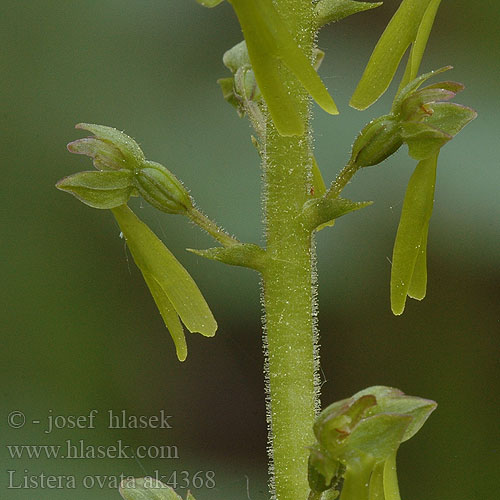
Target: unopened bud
{"type": "Point", "coordinates": [377, 141]}
{"type": "Point", "coordinates": [159, 187]}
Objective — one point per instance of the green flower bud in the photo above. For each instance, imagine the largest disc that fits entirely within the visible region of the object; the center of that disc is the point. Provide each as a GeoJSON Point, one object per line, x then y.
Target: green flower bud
{"type": "Point", "coordinates": [236, 57]}
{"type": "Point", "coordinates": [159, 187]}
{"type": "Point", "coordinates": [377, 141]}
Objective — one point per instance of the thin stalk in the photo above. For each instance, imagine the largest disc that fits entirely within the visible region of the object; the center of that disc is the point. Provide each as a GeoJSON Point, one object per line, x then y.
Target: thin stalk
{"type": "Point", "coordinates": [343, 178]}
{"type": "Point", "coordinates": [290, 342]}
{"type": "Point", "coordinates": [211, 228]}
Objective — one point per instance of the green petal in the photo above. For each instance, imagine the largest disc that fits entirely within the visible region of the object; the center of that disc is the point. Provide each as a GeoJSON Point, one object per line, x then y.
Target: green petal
{"type": "Point", "coordinates": [270, 44]}
{"type": "Point", "coordinates": [103, 189]}
{"type": "Point", "coordinates": [154, 259]}
{"type": "Point", "coordinates": [128, 147]}
{"type": "Point", "coordinates": [146, 489]}
{"type": "Point", "coordinates": [415, 216]}
{"type": "Point", "coordinates": [399, 34]}
{"type": "Point", "coordinates": [413, 86]}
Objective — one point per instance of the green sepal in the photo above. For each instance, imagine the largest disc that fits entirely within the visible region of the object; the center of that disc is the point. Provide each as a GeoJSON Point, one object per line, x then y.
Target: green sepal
{"type": "Point", "coordinates": [399, 34]}
{"type": "Point", "coordinates": [101, 189]}
{"type": "Point", "coordinates": [318, 213]}
{"type": "Point", "coordinates": [243, 255]}
{"type": "Point", "coordinates": [270, 44]}
{"type": "Point", "coordinates": [227, 87]}
{"type": "Point", "coordinates": [416, 106]}
{"type": "Point", "coordinates": [445, 120]}
{"type": "Point", "coordinates": [414, 85]}
{"type": "Point", "coordinates": [423, 140]}
{"type": "Point", "coordinates": [209, 3]}
{"type": "Point", "coordinates": [237, 57]}
{"type": "Point", "coordinates": [189, 496]}
{"type": "Point", "coordinates": [105, 156]}
{"type": "Point", "coordinates": [130, 150]}
{"type": "Point", "coordinates": [392, 400]}
{"type": "Point", "coordinates": [336, 422]}
{"type": "Point", "coordinates": [377, 436]}
{"type": "Point", "coordinates": [420, 42]}
{"type": "Point", "coordinates": [331, 11]}
{"type": "Point", "coordinates": [450, 117]}
{"type": "Point", "coordinates": [168, 278]}
{"type": "Point", "coordinates": [412, 232]}
{"type": "Point", "coordinates": [147, 488]}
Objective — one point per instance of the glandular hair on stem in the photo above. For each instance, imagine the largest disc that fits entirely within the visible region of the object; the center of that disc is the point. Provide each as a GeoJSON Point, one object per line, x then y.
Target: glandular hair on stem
{"type": "Point", "coordinates": [314, 309]}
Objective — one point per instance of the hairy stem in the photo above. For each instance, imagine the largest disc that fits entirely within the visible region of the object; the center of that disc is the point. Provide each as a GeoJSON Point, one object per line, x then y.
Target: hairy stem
{"type": "Point", "coordinates": [288, 287]}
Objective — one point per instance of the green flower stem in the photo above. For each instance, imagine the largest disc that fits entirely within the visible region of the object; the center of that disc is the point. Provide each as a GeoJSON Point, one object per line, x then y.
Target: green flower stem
{"type": "Point", "coordinates": [342, 180]}
{"type": "Point", "coordinates": [211, 228]}
{"type": "Point", "coordinates": [291, 362]}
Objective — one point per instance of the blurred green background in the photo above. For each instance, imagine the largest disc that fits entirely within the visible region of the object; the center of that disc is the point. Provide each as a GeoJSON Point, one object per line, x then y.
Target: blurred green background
{"type": "Point", "coordinates": [80, 330]}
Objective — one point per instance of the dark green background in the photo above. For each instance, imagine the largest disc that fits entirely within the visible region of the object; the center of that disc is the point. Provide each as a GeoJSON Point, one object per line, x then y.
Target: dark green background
{"type": "Point", "coordinates": [80, 330]}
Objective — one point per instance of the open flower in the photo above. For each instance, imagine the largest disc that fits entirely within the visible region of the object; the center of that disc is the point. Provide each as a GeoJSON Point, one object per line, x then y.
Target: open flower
{"type": "Point", "coordinates": [420, 118]}
{"type": "Point", "coordinates": [357, 441]}
{"type": "Point", "coordinates": [123, 171]}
